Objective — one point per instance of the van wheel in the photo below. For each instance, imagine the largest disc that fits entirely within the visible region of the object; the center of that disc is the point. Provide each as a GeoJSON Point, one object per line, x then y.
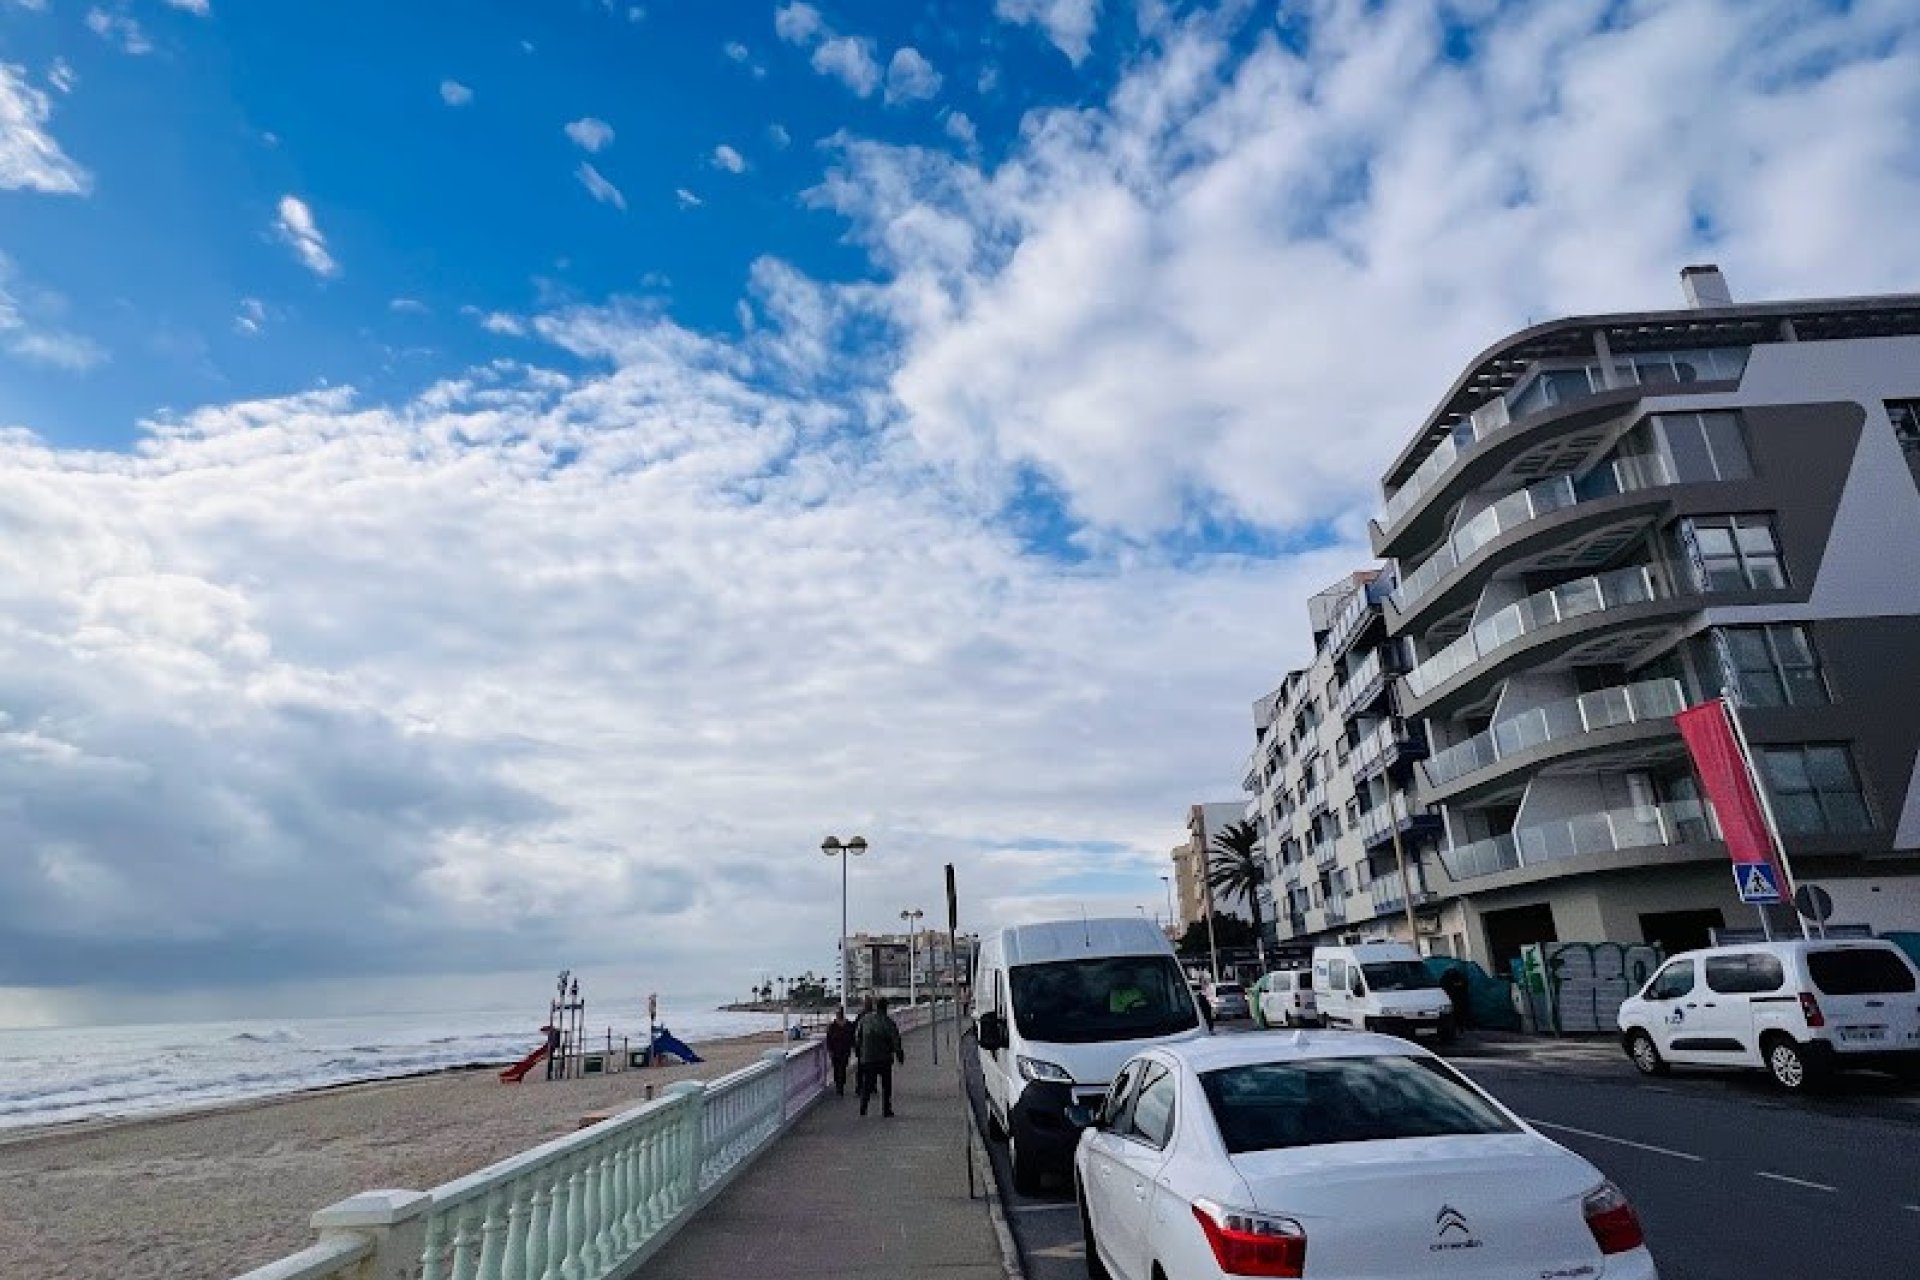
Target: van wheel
{"type": "Point", "coordinates": [1788, 1065]}
{"type": "Point", "coordinates": [1646, 1054]}
{"type": "Point", "coordinates": [1026, 1174]}
{"type": "Point", "coordinates": [1096, 1269]}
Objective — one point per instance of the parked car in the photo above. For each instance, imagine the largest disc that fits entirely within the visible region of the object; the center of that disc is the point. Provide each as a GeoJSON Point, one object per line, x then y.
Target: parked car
{"type": "Point", "coordinates": [1058, 1006]}
{"type": "Point", "coordinates": [1333, 1155]}
{"type": "Point", "coordinates": [1228, 1000]}
{"type": "Point", "coordinates": [1286, 999]}
{"type": "Point", "coordinates": [1798, 1010]}
{"type": "Point", "coordinates": [1380, 986]}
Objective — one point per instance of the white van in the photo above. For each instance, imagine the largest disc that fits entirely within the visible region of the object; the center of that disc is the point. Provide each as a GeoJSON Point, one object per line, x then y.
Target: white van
{"type": "Point", "coordinates": [1286, 999]}
{"type": "Point", "coordinates": [1380, 986]}
{"type": "Point", "coordinates": [1058, 1008]}
{"type": "Point", "coordinates": [1799, 1009]}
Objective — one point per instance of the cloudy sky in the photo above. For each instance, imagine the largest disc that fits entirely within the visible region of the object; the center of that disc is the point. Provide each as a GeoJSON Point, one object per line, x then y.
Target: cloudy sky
{"type": "Point", "coordinates": [485, 494]}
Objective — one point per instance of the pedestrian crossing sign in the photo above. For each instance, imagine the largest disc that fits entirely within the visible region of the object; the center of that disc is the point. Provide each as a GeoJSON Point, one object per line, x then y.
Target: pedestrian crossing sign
{"type": "Point", "coordinates": [1756, 881]}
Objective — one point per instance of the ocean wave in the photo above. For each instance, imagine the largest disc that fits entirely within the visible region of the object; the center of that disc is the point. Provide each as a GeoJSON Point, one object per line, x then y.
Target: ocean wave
{"type": "Point", "coordinates": [281, 1035]}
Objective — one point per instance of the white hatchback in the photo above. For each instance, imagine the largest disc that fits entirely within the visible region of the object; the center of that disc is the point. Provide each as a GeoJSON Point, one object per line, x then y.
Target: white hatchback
{"type": "Point", "coordinates": [1357, 1155]}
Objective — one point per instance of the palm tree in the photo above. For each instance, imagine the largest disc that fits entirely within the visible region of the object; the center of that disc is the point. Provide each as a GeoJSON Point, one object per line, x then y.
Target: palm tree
{"type": "Point", "coordinates": [1236, 867]}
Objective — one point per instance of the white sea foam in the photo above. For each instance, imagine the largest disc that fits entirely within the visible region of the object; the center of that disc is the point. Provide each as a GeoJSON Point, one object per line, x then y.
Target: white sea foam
{"type": "Point", "coordinates": [80, 1073]}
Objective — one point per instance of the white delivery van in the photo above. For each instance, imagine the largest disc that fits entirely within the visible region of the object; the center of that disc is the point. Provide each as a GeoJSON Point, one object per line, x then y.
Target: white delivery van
{"type": "Point", "coordinates": [1380, 986]}
{"type": "Point", "coordinates": [1799, 1009]}
{"type": "Point", "coordinates": [1286, 999]}
{"type": "Point", "coordinates": [1058, 1007]}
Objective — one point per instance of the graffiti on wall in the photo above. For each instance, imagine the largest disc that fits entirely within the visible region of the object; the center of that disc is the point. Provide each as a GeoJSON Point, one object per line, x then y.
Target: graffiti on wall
{"type": "Point", "coordinates": [1579, 986]}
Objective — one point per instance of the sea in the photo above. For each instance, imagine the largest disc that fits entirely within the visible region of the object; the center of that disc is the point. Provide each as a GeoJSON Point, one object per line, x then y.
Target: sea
{"type": "Point", "coordinates": [58, 1075]}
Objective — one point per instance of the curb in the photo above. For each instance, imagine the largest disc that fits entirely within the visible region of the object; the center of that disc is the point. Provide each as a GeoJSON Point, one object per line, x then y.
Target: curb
{"type": "Point", "coordinates": [1010, 1262]}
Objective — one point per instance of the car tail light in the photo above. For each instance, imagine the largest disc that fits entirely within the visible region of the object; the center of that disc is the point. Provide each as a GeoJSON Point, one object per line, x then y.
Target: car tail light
{"type": "Point", "coordinates": [1252, 1244]}
{"type": "Point", "coordinates": [1615, 1226]}
{"type": "Point", "coordinates": [1810, 1008]}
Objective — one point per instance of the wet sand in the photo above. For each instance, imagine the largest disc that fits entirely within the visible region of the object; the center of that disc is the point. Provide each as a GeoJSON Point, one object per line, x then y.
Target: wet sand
{"type": "Point", "coordinates": [210, 1194]}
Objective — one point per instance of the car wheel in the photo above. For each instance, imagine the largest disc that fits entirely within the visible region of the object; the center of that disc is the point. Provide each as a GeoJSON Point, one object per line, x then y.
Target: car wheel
{"type": "Point", "coordinates": [1787, 1063]}
{"type": "Point", "coordinates": [1026, 1173]}
{"type": "Point", "coordinates": [1096, 1269]}
{"type": "Point", "coordinates": [1646, 1054]}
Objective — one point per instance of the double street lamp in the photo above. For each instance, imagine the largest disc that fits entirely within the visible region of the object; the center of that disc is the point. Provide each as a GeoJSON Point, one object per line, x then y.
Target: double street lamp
{"type": "Point", "coordinates": [913, 916]}
{"type": "Point", "coordinates": [852, 849]}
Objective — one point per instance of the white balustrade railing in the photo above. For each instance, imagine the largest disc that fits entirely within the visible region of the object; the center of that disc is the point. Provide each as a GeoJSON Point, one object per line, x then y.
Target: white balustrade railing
{"type": "Point", "coordinates": [582, 1206]}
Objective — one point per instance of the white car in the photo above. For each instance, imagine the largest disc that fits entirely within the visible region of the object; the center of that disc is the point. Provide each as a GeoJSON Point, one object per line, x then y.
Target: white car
{"type": "Point", "coordinates": [1330, 1155]}
{"type": "Point", "coordinates": [1798, 1009]}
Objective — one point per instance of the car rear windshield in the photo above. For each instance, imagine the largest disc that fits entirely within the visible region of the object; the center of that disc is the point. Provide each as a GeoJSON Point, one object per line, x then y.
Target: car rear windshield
{"type": "Point", "coordinates": [1111, 998]}
{"type": "Point", "coordinates": [1398, 975]}
{"type": "Point", "coordinates": [1271, 1106]}
{"type": "Point", "coordinates": [1228, 989]}
{"type": "Point", "coordinates": [1866, 971]}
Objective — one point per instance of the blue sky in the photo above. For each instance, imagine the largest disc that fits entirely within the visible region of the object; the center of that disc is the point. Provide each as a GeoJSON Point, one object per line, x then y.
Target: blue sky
{"type": "Point", "coordinates": [432, 543]}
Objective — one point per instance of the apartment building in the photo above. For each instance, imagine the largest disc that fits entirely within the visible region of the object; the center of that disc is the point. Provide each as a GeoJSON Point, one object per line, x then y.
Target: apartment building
{"type": "Point", "coordinates": [1190, 857]}
{"type": "Point", "coordinates": [1607, 519]}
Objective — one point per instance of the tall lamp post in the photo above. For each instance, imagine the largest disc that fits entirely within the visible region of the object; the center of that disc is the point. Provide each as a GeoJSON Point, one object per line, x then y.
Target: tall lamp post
{"type": "Point", "coordinates": [852, 849]}
{"type": "Point", "coordinates": [1172, 921]}
{"type": "Point", "coordinates": [912, 915]}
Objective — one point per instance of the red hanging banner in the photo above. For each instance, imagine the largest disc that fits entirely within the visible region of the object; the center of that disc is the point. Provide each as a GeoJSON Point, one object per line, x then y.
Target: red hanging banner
{"type": "Point", "coordinates": [1729, 786]}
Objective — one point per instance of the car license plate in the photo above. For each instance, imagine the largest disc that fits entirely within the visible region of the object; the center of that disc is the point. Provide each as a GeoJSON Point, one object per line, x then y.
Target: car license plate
{"type": "Point", "coordinates": [1859, 1034]}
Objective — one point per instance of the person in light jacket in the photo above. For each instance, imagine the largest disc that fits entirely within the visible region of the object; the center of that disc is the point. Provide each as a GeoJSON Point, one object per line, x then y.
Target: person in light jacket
{"type": "Point", "coordinates": [878, 1044]}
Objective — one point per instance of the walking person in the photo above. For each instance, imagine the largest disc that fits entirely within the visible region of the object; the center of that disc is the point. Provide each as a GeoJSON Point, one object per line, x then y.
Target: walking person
{"type": "Point", "coordinates": [840, 1048]}
{"type": "Point", "coordinates": [878, 1044]}
{"type": "Point", "coordinates": [859, 1070]}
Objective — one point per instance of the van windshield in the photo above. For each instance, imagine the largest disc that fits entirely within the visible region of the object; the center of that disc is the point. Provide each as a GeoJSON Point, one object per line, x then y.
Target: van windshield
{"type": "Point", "coordinates": [1398, 975]}
{"type": "Point", "coordinates": [1111, 998]}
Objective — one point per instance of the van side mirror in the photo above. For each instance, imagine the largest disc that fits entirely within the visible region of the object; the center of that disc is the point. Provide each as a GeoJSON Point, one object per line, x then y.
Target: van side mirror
{"type": "Point", "coordinates": [991, 1031]}
{"type": "Point", "coordinates": [1081, 1117]}
{"type": "Point", "coordinates": [1356, 986]}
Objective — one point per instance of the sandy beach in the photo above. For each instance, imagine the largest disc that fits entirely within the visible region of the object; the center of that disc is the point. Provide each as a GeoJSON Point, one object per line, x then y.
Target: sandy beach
{"type": "Point", "coordinates": [214, 1193]}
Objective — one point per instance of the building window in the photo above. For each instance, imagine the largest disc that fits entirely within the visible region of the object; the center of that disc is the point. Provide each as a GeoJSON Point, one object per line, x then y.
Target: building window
{"type": "Point", "coordinates": [1815, 790]}
{"type": "Point", "coordinates": [1775, 666]}
{"type": "Point", "coordinates": [1705, 446]}
{"type": "Point", "coordinates": [1734, 553]}
{"type": "Point", "coordinates": [1906, 423]}
{"type": "Point", "coordinates": [1353, 813]}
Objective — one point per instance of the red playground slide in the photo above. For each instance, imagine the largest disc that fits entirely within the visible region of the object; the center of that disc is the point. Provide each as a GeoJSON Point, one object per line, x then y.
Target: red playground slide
{"type": "Point", "coordinates": [518, 1071]}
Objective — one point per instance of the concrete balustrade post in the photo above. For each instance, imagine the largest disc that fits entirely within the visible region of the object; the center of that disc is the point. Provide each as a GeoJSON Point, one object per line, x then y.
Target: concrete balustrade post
{"type": "Point", "coordinates": [692, 1146]}
{"type": "Point", "coordinates": [395, 1222]}
{"type": "Point", "coordinates": [778, 1057]}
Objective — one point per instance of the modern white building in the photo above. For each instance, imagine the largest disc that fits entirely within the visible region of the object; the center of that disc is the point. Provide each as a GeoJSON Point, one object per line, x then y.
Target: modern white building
{"type": "Point", "coordinates": [1605, 520]}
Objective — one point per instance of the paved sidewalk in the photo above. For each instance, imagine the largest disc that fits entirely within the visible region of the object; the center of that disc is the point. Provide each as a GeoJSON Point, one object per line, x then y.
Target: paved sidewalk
{"type": "Point", "coordinates": [845, 1196]}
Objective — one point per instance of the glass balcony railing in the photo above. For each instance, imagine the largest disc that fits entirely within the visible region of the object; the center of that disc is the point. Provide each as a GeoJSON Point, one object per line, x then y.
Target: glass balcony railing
{"type": "Point", "coordinates": [1523, 617]}
{"type": "Point", "coordinates": [1552, 385]}
{"type": "Point", "coordinates": [1389, 896]}
{"type": "Point", "coordinates": [1644, 827]}
{"type": "Point", "coordinates": [1390, 734]}
{"type": "Point", "coordinates": [1588, 713]}
{"type": "Point", "coordinates": [1363, 683]}
{"type": "Point", "coordinates": [1377, 823]}
{"type": "Point", "coordinates": [1623, 475]}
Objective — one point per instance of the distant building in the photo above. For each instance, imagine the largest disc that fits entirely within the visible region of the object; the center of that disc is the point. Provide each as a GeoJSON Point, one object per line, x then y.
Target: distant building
{"type": "Point", "coordinates": [1191, 894]}
{"type": "Point", "coordinates": [882, 962]}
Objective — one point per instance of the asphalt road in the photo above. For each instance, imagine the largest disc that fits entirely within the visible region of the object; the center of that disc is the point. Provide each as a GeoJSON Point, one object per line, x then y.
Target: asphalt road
{"type": "Point", "coordinates": [1732, 1181]}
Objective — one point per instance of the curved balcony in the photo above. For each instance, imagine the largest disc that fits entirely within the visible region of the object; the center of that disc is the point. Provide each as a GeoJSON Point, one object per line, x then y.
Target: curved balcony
{"type": "Point", "coordinates": [1564, 723]}
{"type": "Point", "coordinates": [1389, 742]}
{"type": "Point", "coordinates": [1378, 824]}
{"type": "Point", "coordinates": [1561, 395]}
{"type": "Point", "coordinates": [1623, 475]}
{"type": "Point", "coordinates": [1500, 630]}
{"type": "Point", "coordinates": [1364, 685]}
{"type": "Point", "coordinates": [1610, 831]}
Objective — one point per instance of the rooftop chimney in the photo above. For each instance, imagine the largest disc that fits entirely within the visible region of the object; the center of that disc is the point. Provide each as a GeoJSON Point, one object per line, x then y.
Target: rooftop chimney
{"type": "Point", "coordinates": [1705, 286]}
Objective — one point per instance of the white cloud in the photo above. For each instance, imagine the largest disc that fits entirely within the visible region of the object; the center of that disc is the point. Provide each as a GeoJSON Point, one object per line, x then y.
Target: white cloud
{"type": "Point", "coordinates": [251, 319]}
{"type": "Point", "coordinates": [30, 160]}
{"type": "Point", "coordinates": [910, 77]}
{"type": "Point", "coordinates": [1069, 24]}
{"type": "Point", "coordinates": [590, 134]}
{"type": "Point", "coordinates": [602, 190]}
{"type": "Point", "coordinates": [62, 76]}
{"type": "Point", "coordinates": [687, 199]}
{"type": "Point", "coordinates": [31, 6]}
{"type": "Point", "coordinates": [296, 228]}
{"type": "Point", "coordinates": [455, 94]}
{"type": "Point", "coordinates": [849, 59]}
{"type": "Point", "coordinates": [29, 332]}
{"type": "Point", "coordinates": [118, 28]}
{"type": "Point", "coordinates": [989, 79]}
{"type": "Point", "coordinates": [500, 322]}
{"type": "Point", "coordinates": [199, 8]}
{"type": "Point", "coordinates": [725, 157]}
{"type": "Point", "coordinates": [797, 23]}
{"type": "Point", "coordinates": [779, 137]}
{"type": "Point", "coordinates": [409, 306]}
{"type": "Point", "coordinates": [960, 128]}
{"type": "Point", "coordinates": [736, 51]}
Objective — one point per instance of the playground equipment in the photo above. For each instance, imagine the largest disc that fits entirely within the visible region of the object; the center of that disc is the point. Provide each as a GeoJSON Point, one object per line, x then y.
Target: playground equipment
{"type": "Point", "coordinates": [567, 1054]}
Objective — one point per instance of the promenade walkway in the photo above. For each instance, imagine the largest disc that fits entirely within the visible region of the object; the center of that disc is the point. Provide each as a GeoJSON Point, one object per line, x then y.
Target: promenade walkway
{"type": "Point", "coordinates": [841, 1195]}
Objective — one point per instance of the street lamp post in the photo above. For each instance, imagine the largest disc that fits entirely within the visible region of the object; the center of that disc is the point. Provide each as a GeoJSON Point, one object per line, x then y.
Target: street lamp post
{"type": "Point", "coordinates": [912, 915]}
{"type": "Point", "coordinates": [853, 848]}
{"type": "Point", "coordinates": [1172, 920]}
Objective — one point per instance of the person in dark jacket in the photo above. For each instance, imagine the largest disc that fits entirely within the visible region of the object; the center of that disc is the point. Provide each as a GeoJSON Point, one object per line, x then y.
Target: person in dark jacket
{"type": "Point", "coordinates": [877, 1042]}
{"type": "Point", "coordinates": [840, 1048]}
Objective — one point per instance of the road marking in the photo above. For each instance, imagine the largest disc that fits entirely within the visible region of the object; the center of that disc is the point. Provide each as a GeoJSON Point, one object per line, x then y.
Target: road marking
{"type": "Point", "coordinates": [1041, 1208]}
{"type": "Point", "coordinates": [1625, 1142]}
{"type": "Point", "coordinates": [1797, 1182]}
{"type": "Point", "coordinates": [1913, 1208]}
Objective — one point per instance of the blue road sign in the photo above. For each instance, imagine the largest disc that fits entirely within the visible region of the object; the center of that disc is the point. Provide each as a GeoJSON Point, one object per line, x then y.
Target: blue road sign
{"type": "Point", "coordinates": [1756, 881]}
